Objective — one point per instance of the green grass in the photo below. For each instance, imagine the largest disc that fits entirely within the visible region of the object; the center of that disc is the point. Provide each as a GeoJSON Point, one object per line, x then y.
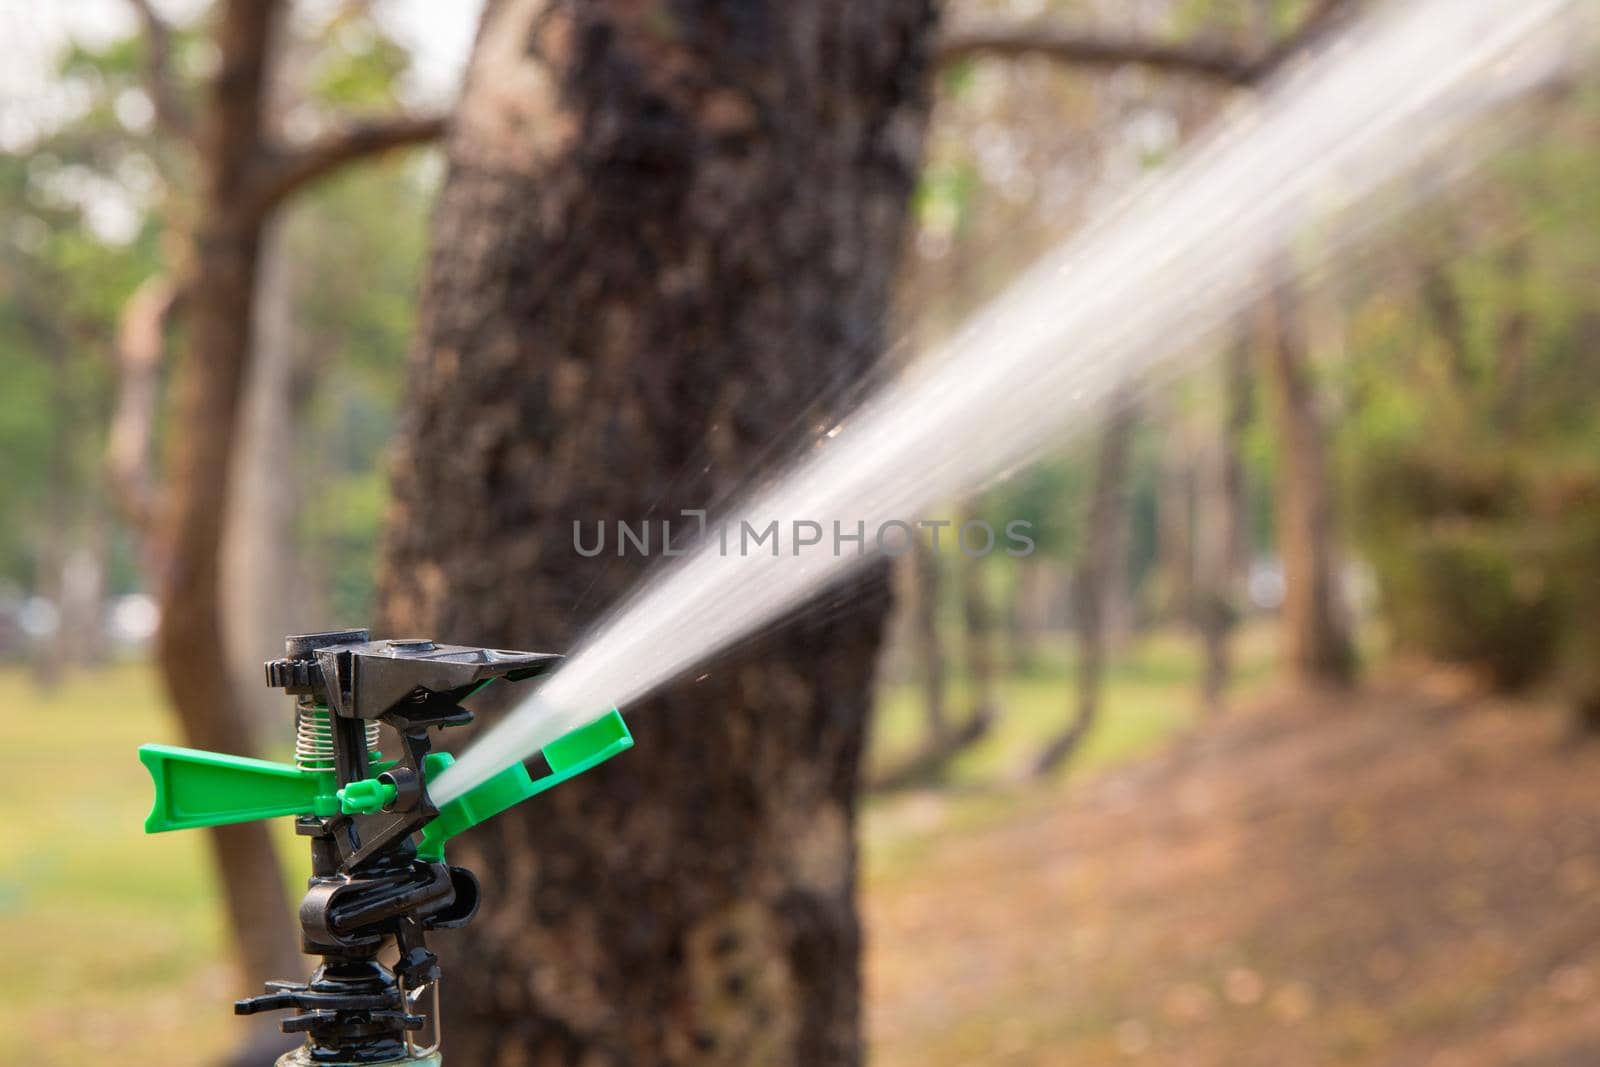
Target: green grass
{"type": "Point", "coordinates": [124, 943]}
{"type": "Point", "coordinates": [122, 935]}
{"type": "Point", "coordinates": [1150, 693]}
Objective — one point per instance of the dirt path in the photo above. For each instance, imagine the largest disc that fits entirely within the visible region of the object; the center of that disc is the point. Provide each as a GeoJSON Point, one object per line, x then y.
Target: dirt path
{"type": "Point", "coordinates": [1408, 877]}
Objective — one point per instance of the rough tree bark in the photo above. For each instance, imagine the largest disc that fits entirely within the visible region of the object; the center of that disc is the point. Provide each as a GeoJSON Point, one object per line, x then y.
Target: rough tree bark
{"type": "Point", "coordinates": [1319, 648]}
{"type": "Point", "coordinates": [1093, 575]}
{"type": "Point", "coordinates": [666, 230]}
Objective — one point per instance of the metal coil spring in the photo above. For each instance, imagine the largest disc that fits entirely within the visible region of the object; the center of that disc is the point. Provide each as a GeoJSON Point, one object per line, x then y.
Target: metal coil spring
{"type": "Point", "coordinates": [313, 739]}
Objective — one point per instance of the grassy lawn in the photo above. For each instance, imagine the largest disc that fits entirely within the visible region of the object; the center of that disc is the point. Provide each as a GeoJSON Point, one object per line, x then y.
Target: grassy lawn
{"type": "Point", "coordinates": [125, 945]}
{"type": "Point", "coordinates": [1150, 692]}
{"type": "Point", "coordinates": [1150, 695]}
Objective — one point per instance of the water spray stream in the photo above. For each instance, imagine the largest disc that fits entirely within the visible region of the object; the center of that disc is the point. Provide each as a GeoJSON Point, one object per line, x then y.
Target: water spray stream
{"type": "Point", "coordinates": [1145, 287]}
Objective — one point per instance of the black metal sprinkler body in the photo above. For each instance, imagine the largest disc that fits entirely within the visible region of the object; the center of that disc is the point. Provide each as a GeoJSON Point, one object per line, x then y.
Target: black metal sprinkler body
{"type": "Point", "coordinates": [378, 876]}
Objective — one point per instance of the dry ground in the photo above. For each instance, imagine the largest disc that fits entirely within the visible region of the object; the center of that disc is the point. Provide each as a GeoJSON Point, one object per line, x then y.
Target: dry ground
{"type": "Point", "coordinates": [1409, 876]}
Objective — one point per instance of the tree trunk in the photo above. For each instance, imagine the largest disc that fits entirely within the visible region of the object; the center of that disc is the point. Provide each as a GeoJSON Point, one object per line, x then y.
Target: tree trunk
{"type": "Point", "coordinates": [83, 589]}
{"type": "Point", "coordinates": [663, 236]}
{"type": "Point", "coordinates": [1175, 520]}
{"type": "Point", "coordinates": [1119, 611]}
{"type": "Point", "coordinates": [262, 585]}
{"type": "Point", "coordinates": [49, 652]}
{"type": "Point", "coordinates": [1443, 305]}
{"type": "Point", "coordinates": [1089, 586]}
{"type": "Point", "coordinates": [927, 763]}
{"type": "Point", "coordinates": [1029, 618]}
{"type": "Point", "coordinates": [929, 642]}
{"type": "Point", "coordinates": [1318, 642]}
{"type": "Point", "coordinates": [191, 647]}
{"type": "Point", "coordinates": [1224, 547]}
{"type": "Point", "coordinates": [1514, 341]}
{"type": "Point", "coordinates": [977, 616]}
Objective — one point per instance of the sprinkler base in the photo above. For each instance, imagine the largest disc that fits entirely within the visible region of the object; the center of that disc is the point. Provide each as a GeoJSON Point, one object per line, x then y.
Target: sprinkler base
{"type": "Point", "coordinates": [301, 1057]}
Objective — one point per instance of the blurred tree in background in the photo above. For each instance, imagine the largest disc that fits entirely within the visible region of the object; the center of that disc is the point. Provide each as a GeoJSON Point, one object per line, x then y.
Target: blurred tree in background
{"type": "Point", "coordinates": [143, 196]}
{"type": "Point", "coordinates": [1470, 446]}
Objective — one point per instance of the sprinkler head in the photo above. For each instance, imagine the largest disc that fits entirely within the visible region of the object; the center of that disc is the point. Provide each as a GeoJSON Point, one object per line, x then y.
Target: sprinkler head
{"type": "Point", "coordinates": [378, 872]}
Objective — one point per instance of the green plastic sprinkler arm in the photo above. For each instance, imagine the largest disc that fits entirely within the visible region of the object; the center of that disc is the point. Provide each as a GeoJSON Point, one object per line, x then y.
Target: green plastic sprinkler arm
{"type": "Point", "coordinates": [568, 756]}
{"type": "Point", "coordinates": [195, 788]}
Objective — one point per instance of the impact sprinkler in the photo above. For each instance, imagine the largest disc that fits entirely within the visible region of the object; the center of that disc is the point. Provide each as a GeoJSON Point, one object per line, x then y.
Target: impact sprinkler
{"type": "Point", "coordinates": [378, 872]}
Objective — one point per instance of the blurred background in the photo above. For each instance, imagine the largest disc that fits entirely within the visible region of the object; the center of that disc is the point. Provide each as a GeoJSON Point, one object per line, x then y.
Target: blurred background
{"type": "Point", "coordinates": [1278, 750]}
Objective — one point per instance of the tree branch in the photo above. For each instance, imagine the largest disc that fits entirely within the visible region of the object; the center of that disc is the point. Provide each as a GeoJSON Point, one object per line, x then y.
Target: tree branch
{"type": "Point", "coordinates": [290, 169]}
{"type": "Point", "coordinates": [140, 345]}
{"type": "Point", "coordinates": [171, 113]}
{"type": "Point", "coordinates": [1075, 47]}
{"type": "Point", "coordinates": [1072, 46]}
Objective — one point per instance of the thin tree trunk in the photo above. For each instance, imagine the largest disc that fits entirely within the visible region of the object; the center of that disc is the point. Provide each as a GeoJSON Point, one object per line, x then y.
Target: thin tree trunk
{"type": "Point", "coordinates": [1443, 304]}
{"type": "Point", "coordinates": [1119, 610]}
{"type": "Point", "coordinates": [50, 566]}
{"type": "Point", "coordinates": [1224, 552]}
{"type": "Point", "coordinates": [930, 643]}
{"type": "Point", "coordinates": [191, 647]}
{"type": "Point", "coordinates": [83, 590]}
{"type": "Point", "coordinates": [1089, 585]}
{"type": "Point", "coordinates": [1515, 340]}
{"type": "Point", "coordinates": [977, 616]}
{"type": "Point", "coordinates": [1319, 648]}
{"type": "Point", "coordinates": [1029, 611]}
{"type": "Point", "coordinates": [1175, 521]}
{"type": "Point", "coordinates": [261, 567]}
{"type": "Point", "coordinates": [659, 237]}
{"type": "Point", "coordinates": [1238, 413]}
{"type": "Point", "coordinates": [927, 763]}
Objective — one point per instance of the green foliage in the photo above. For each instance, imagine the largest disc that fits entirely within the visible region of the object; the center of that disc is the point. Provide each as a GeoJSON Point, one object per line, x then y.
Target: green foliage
{"type": "Point", "coordinates": [1050, 496]}
{"type": "Point", "coordinates": [943, 199]}
{"type": "Point", "coordinates": [1473, 453]}
{"type": "Point", "coordinates": [1476, 592]}
{"type": "Point", "coordinates": [64, 273]}
{"type": "Point", "coordinates": [83, 207]}
{"type": "Point", "coordinates": [363, 68]}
